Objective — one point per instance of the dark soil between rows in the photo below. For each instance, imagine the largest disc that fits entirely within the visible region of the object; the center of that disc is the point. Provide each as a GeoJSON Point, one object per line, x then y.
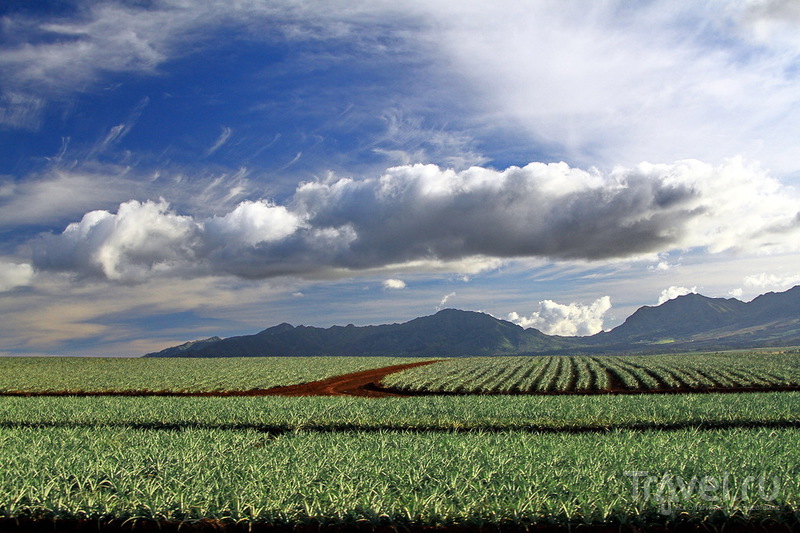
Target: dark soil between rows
{"type": "Point", "coordinates": [675, 390]}
{"type": "Point", "coordinates": [27, 525]}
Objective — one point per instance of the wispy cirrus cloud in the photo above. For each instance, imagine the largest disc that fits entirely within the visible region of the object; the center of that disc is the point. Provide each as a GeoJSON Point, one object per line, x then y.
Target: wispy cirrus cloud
{"type": "Point", "coordinates": [624, 83]}
{"type": "Point", "coordinates": [62, 192]}
{"type": "Point", "coordinates": [21, 111]}
{"type": "Point", "coordinates": [446, 298]}
{"type": "Point", "coordinates": [57, 194]}
{"type": "Point", "coordinates": [604, 85]}
{"type": "Point", "coordinates": [55, 55]}
{"type": "Point", "coordinates": [224, 135]}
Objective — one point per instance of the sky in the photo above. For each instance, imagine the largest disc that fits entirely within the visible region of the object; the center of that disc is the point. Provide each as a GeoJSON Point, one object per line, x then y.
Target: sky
{"type": "Point", "coordinates": [172, 170]}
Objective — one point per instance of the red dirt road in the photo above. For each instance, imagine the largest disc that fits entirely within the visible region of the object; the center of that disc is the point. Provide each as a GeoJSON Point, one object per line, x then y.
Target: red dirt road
{"type": "Point", "coordinates": [365, 383]}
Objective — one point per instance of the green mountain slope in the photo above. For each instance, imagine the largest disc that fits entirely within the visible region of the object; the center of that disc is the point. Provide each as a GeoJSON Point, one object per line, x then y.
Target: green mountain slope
{"type": "Point", "coordinates": [689, 322]}
{"type": "Point", "coordinates": [694, 321]}
{"type": "Point", "coordinates": [679, 318]}
{"type": "Point", "coordinates": [449, 332]}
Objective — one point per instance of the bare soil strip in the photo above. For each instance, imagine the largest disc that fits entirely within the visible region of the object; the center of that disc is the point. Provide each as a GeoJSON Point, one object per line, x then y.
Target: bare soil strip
{"type": "Point", "coordinates": [365, 384]}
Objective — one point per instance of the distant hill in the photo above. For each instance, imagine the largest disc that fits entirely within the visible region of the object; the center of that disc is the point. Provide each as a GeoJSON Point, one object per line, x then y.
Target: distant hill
{"type": "Point", "coordinates": [448, 332]}
{"type": "Point", "coordinates": [692, 321]}
{"type": "Point", "coordinates": [696, 321]}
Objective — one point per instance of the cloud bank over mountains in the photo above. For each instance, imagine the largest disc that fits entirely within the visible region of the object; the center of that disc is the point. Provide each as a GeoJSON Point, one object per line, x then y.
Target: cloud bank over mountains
{"type": "Point", "coordinates": [419, 213]}
{"type": "Point", "coordinates": [574, 319]}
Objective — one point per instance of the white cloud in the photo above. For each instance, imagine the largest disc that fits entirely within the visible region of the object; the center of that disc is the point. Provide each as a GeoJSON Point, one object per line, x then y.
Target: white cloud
{"type": "Point", "coordinates": [673, 292]}
{"type": "Point", "coordinates": [221, 140]}
{"type": "Point", "coordinates": [58, 316]}
{"type": "Point", "coordinates": [131, 245]}
{"type": "Point", "coordinates": [13, 275]}
{"type": "Point", "coordinates": [773, 23]}
{"type": "Point", "coordinates": [421, 214]}
{"type": "Point", "coordinates": [618, 83]}
{"type": "Point", "coordinates": [614, 83]}
{"type": "Point", "coordinates": [252, 223]}
{"type": "Point", "coordinates": [394, 284]}
{"type": "Point", "coordinates": [59, 193]}
{"type": "Point", "coordinates": [558, 212]}
{"type": "Point", "coordinates": [772, 281]}
{"type": "Point", "coordinates": [21, 111]}
{"type": "Point", "coordinates": [444, 300]}
{"type": "Point", "coordinates": [68, 53]}
{"type": "Point", "coordinates": [406, 141]}
{"type": "Point", "coordinates": [572, 319]}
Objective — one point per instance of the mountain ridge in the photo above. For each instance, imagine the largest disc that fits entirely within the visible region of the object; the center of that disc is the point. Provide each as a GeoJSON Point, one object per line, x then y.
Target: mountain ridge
{"type": "Point", "coordinates": [691, 321]}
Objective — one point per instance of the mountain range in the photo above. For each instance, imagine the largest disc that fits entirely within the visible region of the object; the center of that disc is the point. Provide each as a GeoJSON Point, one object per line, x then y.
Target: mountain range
{"type": "Point", "coordinates": [689, 322]}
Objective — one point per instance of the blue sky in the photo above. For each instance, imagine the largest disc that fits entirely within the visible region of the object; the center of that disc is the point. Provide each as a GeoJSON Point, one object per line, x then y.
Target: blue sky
{"type": "Point", "coordinates": [172, 170]}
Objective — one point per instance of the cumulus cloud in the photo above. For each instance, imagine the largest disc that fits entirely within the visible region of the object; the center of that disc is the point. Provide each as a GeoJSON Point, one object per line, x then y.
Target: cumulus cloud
{"type": "Point", "coordinates": [13, 275]}
{"type": "Point", "coordinates": [252, 223]}
{"type": "Point", "coordinates": [572, 319]}
{"type": "Point", "coordinates": [136, 242]}
{"type": "Point", "coordinates": [394, 284]}
{"type": "Point", "coordinates": [423, 213]}
{"type": "Point", "coordinates": [673, 292]}
{"type": "Point", "coordinates": [555, 211]}
{"type": "Point", "coordinates": [773, 281]}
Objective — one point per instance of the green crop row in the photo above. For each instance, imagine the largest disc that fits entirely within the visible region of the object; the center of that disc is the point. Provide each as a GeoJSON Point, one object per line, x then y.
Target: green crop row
{"type": "Point", "coordinates": [551, 413]}
{"type": "Point", "coordinates": [86, 374]}
{"type": "Point", "coordinates": [587, 373]}
{"type": "Point", "coordinates": [400, 478]}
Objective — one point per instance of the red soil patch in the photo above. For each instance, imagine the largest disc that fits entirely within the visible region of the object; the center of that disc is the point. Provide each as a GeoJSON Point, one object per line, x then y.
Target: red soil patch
{"type": "Point", "coordinates": [365, 384]}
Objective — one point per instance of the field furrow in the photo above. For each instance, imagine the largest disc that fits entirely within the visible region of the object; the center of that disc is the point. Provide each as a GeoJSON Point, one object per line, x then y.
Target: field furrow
{"type": "Point", "coordinates": [575, 374]}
